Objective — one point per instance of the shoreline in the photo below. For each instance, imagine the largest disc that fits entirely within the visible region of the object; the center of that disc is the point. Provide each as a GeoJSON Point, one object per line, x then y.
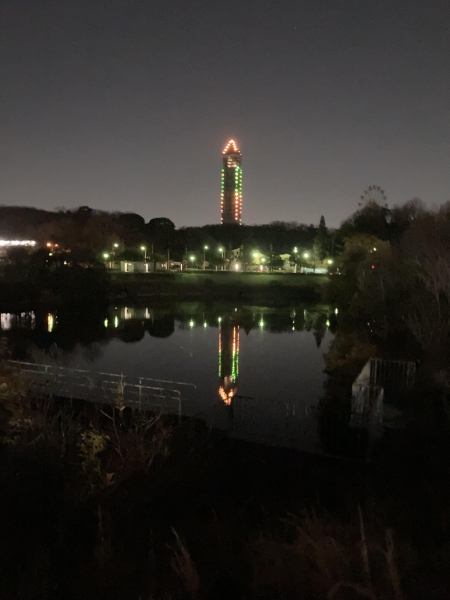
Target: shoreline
{"type": "Point", "coordinates": [223, 285]}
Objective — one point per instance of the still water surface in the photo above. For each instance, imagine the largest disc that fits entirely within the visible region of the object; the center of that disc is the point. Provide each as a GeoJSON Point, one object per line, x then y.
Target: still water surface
{"type": "Point", "coordinates": [266, 363]}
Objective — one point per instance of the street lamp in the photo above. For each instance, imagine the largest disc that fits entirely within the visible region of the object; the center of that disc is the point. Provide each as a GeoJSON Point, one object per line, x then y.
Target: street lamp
{"type": "Point", "coordinates": [205, 248]}
{"type": "Point", "coordinates": [144, 250]}
{"type": "Point", "coordinates": [330, 262]}
{"type": "Point", "coordinates": [113, 252]}
{"type": "Point", "coordinates": [192, 258]}
{"type": "Point", "coordinates": [263, 260]}
{"type": "Point", "coordinates": [295, 250]}
{"type": "Point", "coordinates": [105, 255]}
{"type": "Point", "coordinates": [305, 255]}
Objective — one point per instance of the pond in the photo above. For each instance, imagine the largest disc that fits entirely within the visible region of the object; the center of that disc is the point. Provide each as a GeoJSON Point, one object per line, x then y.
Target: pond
{"type": "Point", "coordinates": [264, 364]}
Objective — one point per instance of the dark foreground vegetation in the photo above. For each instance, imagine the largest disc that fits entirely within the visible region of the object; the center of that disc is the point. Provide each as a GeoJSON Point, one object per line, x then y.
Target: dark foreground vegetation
{"type": "Point", "coordinates": [102, 502]}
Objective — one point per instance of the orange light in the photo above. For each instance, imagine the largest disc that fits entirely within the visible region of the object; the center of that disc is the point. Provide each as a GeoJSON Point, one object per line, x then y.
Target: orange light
{"type": "Point", "coordinates": [234, 145]}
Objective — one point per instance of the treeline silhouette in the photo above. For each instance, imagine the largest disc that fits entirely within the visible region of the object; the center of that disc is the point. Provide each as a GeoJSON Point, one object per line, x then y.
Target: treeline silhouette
{"type": "Point", "coordinates": [96, 231]}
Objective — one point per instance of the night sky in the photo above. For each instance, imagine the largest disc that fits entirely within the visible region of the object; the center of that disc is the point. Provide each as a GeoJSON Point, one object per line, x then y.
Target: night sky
{"type": "Point", "coordinates": [126, 105]}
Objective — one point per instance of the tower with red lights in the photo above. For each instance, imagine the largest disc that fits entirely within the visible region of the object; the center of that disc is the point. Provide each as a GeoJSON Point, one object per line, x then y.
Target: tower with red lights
{"type": "Point", "coordinates": [231, 185]}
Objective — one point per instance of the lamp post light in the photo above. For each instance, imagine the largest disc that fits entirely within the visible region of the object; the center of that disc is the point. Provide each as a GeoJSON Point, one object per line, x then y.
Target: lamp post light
{"type": "Point", "coordinates": [221, 249]}
{"type": "Point", "coordinates": [113, 253]}
{"type": "Point", "coordinates": [205, 248]}
{"type": "Point", "coordinates": [192, 258]}
{"type": "Point", "coordinates": [329, 261]}
{"type": "Point", "coordinates": [305, 255]}
{"type": "Point", "coordinates": [295, 251]}
{"type": "Point", "coordinates": [144, 250]}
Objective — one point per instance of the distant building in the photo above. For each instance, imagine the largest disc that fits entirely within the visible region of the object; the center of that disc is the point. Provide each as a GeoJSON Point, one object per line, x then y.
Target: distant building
{"type": "Point", "coordinates": [231, 185]}
{"type": "Point", "coordinates": [136, 267]}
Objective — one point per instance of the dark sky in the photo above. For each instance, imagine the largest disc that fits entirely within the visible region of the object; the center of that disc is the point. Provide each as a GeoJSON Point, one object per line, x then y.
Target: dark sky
{"type": "Point", "coordinates": [126, 104]}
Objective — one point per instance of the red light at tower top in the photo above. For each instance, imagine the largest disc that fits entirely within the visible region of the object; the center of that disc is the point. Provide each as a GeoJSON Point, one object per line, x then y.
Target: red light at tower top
{"type": "Point", "coordinates": [231, 185]}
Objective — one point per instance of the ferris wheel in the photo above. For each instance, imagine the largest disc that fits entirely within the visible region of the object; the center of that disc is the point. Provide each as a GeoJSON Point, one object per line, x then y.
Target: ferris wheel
{"type": "Point", "coordinates": [373, 195]}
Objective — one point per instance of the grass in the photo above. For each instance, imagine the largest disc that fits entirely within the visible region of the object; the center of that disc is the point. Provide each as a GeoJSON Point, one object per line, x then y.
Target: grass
{"type": "Point", "coordinates": [228, 278]}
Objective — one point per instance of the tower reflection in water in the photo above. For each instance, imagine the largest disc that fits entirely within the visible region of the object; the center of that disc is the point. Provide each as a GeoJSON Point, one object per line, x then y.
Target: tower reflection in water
{"type": "Point", "coordinates": [228, 360]}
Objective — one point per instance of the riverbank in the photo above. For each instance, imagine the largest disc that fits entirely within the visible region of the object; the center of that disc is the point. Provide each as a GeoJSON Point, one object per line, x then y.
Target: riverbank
{"type": "Point", "coordinates": [117, 503]}
{"type": "Point", "coordinates": [224, 285]}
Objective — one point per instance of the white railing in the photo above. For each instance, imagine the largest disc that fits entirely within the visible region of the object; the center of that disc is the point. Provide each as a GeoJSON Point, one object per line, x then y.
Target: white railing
{"type": "Point", "coordinates": [143, 392]}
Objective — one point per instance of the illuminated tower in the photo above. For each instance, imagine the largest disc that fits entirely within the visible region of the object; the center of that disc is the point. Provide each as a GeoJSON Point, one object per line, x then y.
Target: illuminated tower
{"type": "Point", "coordinates": [231, 185]}
{"type": "Point", "coordinates": [228, 361]}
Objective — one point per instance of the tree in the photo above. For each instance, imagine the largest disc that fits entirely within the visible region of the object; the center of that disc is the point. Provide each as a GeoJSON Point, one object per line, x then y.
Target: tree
{"type": "Point", "coordinates": [322, 242]}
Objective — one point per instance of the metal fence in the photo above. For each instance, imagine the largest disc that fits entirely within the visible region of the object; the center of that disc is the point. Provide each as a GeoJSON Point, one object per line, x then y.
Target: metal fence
{"type": "Point", "coordinates": [381, 380]}
{"type": "Point", "coordinates": [108, 388]}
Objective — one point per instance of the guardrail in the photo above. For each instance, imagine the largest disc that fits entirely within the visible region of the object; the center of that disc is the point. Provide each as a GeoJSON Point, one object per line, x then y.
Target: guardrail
{"type": "Point", "coordinates": [112, 388]}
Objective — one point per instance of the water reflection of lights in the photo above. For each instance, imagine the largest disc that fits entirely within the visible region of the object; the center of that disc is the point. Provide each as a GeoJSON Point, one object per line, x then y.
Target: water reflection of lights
{"type": "Point", "coordinates": [12, 321]}
{"type": "Point", "coordinates": [116, 321]}
{"type": "Point", "coordinates": [17, 243]}
{"type": "Point", "coordinates": [228, 362]}
{"type": "Point", "coordinates": [50, 322]}
{"type": "Point", "coordinates": [105, 322]}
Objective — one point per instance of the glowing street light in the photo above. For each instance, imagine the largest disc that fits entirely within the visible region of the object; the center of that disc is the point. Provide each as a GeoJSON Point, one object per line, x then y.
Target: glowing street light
{"type": "Point", "coordinates": [105, 255]}
{"type": "Point", "coordinates": [305, 255]}
{"type": "Point", "coordinates": [263, 260]}
{"type": "Point", "coordinates": [205, 248]}
{"type": "Point", "coordinates": [144, 250]}
{"type": "Point", "coordinates": [295, 250]}
{"type": "Point", "coordinates": [113, 252]}
{"type": "Point", "coordinates": [329, 261]}
{"type": "Point", "coordinates": [192, 258]}
{"type": "Point", "coordinates": [255, 255]}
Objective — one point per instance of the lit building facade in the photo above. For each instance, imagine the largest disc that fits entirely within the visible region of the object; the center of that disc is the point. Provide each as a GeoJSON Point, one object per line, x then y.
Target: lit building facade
{"type": "Point", "coordinates": [228, 361]}
{"type": "Point", "coordinates": [231, 185]}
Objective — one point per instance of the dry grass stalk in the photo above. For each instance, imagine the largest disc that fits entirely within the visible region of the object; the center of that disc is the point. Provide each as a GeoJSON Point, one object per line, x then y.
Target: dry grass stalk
{"type": "Point", "coordinates": [184, 567]}
{"type": "Point", "coordinates": [359, 589]}
{"type": "Point", "coordinates": [364, 549]}
{"type": "Point", "coordinates": [394, 575]}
